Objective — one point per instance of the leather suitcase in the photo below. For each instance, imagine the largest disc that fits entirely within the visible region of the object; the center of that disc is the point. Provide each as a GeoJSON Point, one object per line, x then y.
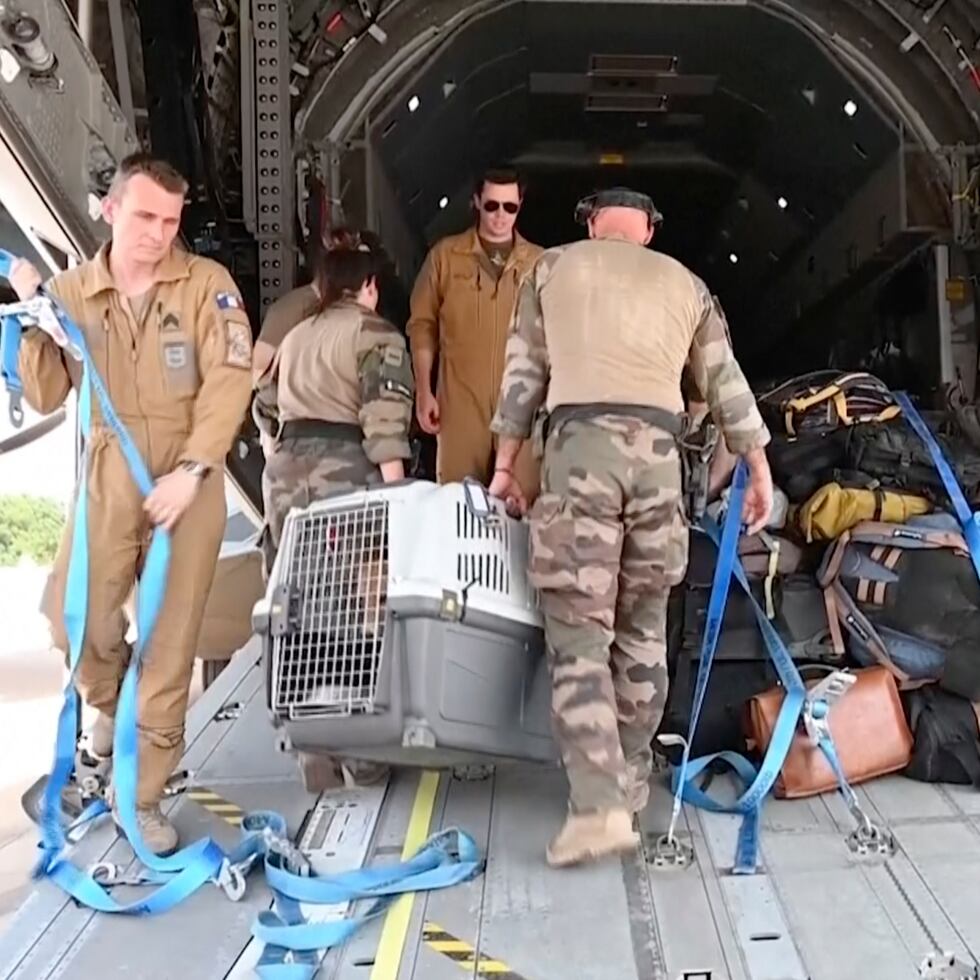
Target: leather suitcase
{"type": "Point", "coordinates": [868, 726]}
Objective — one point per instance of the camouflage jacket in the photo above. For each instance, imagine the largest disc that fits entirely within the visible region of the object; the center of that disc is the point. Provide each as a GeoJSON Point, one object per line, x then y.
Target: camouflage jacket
{"type": "Point", "coordinates": [678, 301]}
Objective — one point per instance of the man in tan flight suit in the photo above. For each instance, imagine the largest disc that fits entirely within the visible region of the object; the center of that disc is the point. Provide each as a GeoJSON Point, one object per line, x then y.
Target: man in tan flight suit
{"type": "Point", "coordinates": [170, 338]}
{"type": "Point", "coordinates": [462, 305]}
{"type": "Point", "coordinates": [602, 332]}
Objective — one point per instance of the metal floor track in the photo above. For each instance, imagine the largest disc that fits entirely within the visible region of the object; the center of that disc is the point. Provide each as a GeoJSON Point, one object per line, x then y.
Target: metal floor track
{"type": "Point", "coordinates": [815, 912]}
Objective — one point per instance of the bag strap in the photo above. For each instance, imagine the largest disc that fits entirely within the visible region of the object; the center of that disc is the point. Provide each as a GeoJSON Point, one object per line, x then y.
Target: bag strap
{"type": "Point", "coordinates": [857, 624]}
{"type": "Point", "coordinates": [907, 536]}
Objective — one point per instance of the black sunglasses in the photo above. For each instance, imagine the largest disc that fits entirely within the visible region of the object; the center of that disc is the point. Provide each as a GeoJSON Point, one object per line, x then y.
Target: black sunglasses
{"type": "Point", "coordinates": [509, 206]}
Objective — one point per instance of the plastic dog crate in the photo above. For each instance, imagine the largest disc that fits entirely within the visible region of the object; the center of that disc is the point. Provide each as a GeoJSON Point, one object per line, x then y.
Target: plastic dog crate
{"type": "Point", "coordinates": [399, 626]}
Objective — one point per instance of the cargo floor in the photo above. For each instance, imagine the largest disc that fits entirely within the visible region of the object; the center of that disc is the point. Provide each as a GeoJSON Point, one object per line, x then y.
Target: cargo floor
{"type": "Point", "coordinates": [816, 912]}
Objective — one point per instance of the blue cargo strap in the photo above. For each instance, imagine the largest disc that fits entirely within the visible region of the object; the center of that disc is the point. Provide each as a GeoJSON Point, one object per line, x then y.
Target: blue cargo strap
{"type": "Point", "coordinates": [964, 514]}
{"type": "Point", "coordinates": [10, 332]}
{"type": "Point", "coordinates": [442, 861]}
{"type": "Point", "coordinates": [755, 782]}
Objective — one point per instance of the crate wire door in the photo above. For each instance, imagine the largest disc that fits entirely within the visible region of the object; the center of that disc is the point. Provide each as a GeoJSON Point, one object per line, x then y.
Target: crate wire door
{"type": "Point", "coordinates": [336, 574]}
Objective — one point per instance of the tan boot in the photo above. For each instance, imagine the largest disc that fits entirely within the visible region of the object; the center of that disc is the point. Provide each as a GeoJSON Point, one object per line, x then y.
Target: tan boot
{"type": "Point", "coordinates": [158, 833]}
{"type": "Point", "coordinates": [361, 772]}
{"type": "Point", "coordinates": [100, 740]}
{"type": "Point", "coordinates": [589, 836]}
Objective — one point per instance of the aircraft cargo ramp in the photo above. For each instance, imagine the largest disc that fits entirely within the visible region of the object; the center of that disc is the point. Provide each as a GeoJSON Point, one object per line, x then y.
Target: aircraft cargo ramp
{"type": "Point", "coordinates": [817, 912]}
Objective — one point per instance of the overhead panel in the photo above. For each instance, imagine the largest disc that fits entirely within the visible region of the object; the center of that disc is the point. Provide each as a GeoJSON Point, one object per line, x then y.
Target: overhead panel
{"type": "Point", "coordinates": [53, 96]}
{"type": "Point", "coordinates": [626, 83]}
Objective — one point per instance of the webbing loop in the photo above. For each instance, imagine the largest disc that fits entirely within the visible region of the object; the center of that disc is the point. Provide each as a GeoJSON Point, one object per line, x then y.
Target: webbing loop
{"type": "Point", "coordinates": [755, 782]}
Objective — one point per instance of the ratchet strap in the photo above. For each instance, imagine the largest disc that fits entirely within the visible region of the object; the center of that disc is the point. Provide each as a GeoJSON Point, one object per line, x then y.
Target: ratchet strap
{"type": "Point", "coordinates": [798, 702]}
{"type": "Point", "coordinates": [442, 861]}
{"type": "Point", "coordinates": [755, 782]}
{"type": "Point", "coordinates": [964, 514]}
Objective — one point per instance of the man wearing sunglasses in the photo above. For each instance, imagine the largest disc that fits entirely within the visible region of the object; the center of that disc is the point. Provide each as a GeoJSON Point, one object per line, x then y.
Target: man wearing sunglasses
{"type": "Point", "coordinates": [462, 305]}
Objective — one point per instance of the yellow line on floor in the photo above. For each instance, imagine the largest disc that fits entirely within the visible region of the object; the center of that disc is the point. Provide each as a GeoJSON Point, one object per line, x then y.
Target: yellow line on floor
{"type": "Point", "coordinates": [388, 957]}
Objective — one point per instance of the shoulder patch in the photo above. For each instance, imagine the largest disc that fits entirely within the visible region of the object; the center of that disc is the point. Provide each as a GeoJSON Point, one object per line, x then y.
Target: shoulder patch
{"type": "Point", "coordinates": [229, 301]}
{"type": "Point", "coordinates": [238, 344]}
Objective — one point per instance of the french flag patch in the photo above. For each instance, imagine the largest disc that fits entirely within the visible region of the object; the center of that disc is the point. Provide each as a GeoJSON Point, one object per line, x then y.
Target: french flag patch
{"type": "Point", "coordinates": [229, 301]}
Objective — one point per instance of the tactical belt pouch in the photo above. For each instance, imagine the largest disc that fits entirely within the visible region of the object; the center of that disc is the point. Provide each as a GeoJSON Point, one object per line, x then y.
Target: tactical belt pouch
{"type": "Point", "coordinates": [321, 429]}
{"type": "Point", "coordinates": [868, 727]}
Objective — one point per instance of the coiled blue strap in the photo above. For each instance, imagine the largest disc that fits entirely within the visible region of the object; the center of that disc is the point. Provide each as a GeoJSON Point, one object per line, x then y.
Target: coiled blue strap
{"type": "Point", "coordinates": [291, 944]}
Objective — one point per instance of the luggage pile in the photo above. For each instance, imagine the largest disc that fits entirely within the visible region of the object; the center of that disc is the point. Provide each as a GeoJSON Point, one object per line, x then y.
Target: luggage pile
{"type": "Point", "coordinates": [868, 570]}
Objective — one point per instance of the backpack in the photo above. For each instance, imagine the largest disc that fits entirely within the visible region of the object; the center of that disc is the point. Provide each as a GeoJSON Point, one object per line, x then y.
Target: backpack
{"type": "Point", "coordinates": [908, 596]}
{"type": "Point", "coordinates": [823, 401]}
{"type": "Point", "coordinates": [800, 466]}
{"type": "Point", "coordinates": [946, 728]}
{"type": "Point", "coordinates": [894, 457]}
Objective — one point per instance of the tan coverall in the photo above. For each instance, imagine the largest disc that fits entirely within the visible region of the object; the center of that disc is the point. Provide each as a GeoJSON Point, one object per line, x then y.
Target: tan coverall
{"type": "Point", "coordinates": [180, 381]}
{"type": "Point", "coordinates": [462, 312]}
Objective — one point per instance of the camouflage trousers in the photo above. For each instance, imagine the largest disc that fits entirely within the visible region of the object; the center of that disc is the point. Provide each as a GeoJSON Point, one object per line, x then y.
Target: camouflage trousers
{"type": "Point", "coordinates": [301, 471]}
{"type": "Point", "coordinates": [609, 540]}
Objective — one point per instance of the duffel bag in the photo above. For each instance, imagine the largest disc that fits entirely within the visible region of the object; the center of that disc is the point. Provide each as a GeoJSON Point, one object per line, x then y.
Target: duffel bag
{"type": "Point", "coordinates": [896, 458]}
{"type": "Point", "coordinates": [946, 730]}
{"type": "Point", "coordinates": [801, 466]}
{"type": "Point", "coordinates": [834, 509]}
{"type": "Point", "coordinates": [790, 597]}
{"type": "Point", "coordinates": [823, 401]}
{"type": "Point", "coordinates": [908, 596]}
{"type": "Point", "coordinates": [732, 684]}
{"type": "Point", "coordinates": [868, 728]}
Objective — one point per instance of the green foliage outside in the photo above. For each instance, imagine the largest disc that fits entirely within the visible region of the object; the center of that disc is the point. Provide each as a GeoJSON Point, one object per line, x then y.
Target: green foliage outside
{"type": "Point", "coordinates": [29, 527]}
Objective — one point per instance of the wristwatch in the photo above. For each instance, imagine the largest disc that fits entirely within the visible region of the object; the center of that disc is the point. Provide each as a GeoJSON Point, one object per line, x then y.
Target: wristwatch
{"type": "Point", "coordinates": [195, 469]}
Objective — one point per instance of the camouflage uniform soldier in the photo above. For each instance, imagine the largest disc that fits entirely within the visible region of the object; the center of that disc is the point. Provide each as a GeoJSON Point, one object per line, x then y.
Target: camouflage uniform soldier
{"type": "Point", "coordinates": [341, 382]}
{"type": "Point", "coordinates": [601, 334]}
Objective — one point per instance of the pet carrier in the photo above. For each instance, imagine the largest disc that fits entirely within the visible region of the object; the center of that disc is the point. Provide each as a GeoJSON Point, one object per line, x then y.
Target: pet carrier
{"type": "Point", "coordinates": [399, 626]}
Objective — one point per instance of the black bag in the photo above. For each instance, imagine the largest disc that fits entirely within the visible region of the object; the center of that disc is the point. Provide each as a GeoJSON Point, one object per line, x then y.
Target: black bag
{"type": "Point", "coordinates": [908, 596]}
{"type": "Point", "coordinates": [795, 598]}
{"type": "Point", "coordinates": [802, 466]}
{"type": "Point", "coordinates": [731, 685]}
{"type": "Point", "coordinates": [822, 401]}
{"type": "Point", "coordinates": [894, 456]}
{"type": "Point", "coordinates": [947, 746]}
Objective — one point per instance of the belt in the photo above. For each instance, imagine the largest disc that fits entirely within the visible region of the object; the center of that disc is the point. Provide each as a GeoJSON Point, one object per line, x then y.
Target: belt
{"type": "Point", "coordinates": [674, 423]}
{"type": "Point", "coordinates": [321, 429]}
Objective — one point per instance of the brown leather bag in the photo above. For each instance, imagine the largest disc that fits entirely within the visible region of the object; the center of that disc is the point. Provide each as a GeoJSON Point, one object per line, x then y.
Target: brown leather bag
{"type": "Point", "coordinates": [868, 727]}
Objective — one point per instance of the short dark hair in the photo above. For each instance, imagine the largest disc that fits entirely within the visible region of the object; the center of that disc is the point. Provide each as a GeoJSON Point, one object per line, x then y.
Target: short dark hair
{"type": "Point", "coordinates": [500, 175]}
{"type": "Point", "coordinates": [159, 171]}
